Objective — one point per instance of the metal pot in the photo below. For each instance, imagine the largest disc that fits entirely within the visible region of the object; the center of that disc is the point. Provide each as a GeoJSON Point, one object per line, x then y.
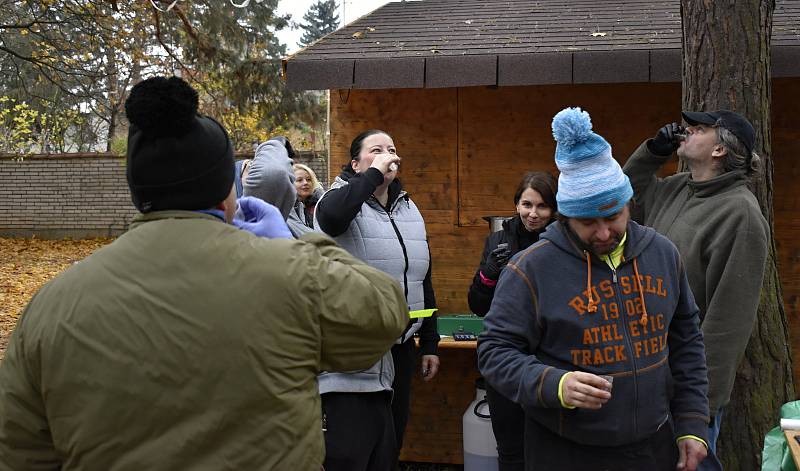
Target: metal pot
{"type": "Point", "coordinates": [496, 222]}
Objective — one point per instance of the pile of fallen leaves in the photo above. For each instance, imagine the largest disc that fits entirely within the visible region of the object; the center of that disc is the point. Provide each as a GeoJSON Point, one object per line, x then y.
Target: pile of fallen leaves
{"type": "Point", "coordinates": [26, 265]}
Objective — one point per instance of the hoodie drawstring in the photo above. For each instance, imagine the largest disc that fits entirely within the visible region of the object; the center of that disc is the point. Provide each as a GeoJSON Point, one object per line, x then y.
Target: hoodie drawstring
{"type": "Point", "coordinates": [643, 320]}
{"type": "Point", "coordinates": [592, 307]}
{"type": "Point", "coordinates": [592, 303]}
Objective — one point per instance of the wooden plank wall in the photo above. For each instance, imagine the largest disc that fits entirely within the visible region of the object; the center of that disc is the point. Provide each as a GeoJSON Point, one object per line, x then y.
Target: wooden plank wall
{"type": "Point", "coordinates": [464, 151]}
{"type": "Point", "coordinates": [434, 431]}
{"type": "Point", "coordinates": [786, 202]}
{"type": "Point", "coordinates": [424, 127]}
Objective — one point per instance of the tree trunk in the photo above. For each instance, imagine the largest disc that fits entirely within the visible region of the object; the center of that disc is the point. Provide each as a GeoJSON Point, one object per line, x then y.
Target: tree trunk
{"type": "Point", "coordinates": [726, 65]}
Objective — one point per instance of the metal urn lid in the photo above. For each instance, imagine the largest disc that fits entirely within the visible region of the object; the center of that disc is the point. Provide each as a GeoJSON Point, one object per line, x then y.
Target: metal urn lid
{"type": "Point", "coordinates": [496, 222]}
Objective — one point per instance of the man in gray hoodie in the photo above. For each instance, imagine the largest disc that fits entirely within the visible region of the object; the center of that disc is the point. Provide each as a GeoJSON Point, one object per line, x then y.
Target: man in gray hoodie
{"type": "Point", "coordinates": [717, 225]}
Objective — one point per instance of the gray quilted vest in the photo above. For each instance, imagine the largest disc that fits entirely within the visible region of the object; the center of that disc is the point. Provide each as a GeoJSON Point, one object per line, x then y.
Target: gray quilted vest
{"type": "Point", "coordinates": [395, 243]}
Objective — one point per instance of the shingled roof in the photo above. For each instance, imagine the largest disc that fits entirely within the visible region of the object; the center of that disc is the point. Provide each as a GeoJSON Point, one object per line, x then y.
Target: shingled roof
{"type": "Point", "coordinates": [458, 43]}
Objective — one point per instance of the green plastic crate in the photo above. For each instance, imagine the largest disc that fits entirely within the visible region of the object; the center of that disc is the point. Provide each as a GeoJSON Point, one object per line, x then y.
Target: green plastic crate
{"type": "Point", "coordinates": [459, 323]}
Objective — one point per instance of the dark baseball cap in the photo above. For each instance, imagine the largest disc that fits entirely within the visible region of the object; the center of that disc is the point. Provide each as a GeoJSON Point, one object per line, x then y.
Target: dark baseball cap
{"type": "Point", "coordinates": [733, 122]}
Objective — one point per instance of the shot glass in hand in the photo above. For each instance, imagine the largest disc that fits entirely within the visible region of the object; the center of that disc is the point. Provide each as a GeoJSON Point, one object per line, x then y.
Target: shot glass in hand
{"type": "Point", "coordinates": [610, 379]}
{"type": "Point", "coordinates": [681, 134]}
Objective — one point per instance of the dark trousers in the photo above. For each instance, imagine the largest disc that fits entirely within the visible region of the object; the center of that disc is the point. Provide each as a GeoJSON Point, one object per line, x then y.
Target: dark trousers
{"type": "Point", "coordinates": [404, 356]}
{"type": "Point", "coordinates": [546, 451]}
{"type": "Point", "coordinates": [360, 433]}
{"type": "Point", "coordinates": [508, 425]}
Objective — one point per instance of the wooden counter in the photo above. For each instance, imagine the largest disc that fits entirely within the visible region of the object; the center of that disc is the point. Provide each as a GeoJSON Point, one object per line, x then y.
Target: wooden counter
{"type": "Point", "coordinates": [794, 447]}
{"type": "Point", "coordinates": [448, 343]}
{"type": "Point", "coordinates": [433, 434]}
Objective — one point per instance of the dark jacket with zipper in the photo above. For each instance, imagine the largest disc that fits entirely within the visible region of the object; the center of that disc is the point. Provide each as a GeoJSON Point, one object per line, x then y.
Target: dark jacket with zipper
{"type": "Point", "coordinates": [518, 238]}
{"type": "Point", "coordinates": [540, 327]}
{"type": "Point", "coordinates": [305, 209]}
{"type": "Point", "coordinates": [391, 239]}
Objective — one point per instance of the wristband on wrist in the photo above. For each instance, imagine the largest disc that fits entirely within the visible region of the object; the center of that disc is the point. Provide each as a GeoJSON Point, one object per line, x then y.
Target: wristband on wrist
{"type": "Point", "coordinates": [487, 281]}
{"type": "Point", "coordinates": [561, 391]}
{"type": "Point", "coordinates": [692, 437]}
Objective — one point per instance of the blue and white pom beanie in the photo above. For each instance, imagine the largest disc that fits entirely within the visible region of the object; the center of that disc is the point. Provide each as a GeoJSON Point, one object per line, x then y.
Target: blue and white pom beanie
{"type": "Point", "coordinates": [591, 183]}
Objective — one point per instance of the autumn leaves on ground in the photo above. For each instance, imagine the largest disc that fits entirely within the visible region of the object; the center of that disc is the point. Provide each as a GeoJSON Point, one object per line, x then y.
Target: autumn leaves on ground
{"type": "Point", "coordinates": [26, 265]}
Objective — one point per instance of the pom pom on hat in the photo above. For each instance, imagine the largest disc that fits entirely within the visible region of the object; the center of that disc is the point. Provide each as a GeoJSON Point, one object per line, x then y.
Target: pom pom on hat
{"type": "Point", "coordinates": [591, 183]}
{"type": "Point", "coordinates": [571, 126]}
{"type": "Point", "coordinates": [162, 106]}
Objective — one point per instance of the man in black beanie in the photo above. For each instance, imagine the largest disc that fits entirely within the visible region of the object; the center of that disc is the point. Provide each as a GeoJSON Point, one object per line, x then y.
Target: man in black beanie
{"type": "Point", "coordinates": [177, 158]}
{"type": "Point", "coordinates": [188, 343]}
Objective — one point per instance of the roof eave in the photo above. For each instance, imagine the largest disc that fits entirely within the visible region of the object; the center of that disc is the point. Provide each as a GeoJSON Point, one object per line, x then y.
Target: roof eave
{"type": "Point", "coordinates": [503, 70]}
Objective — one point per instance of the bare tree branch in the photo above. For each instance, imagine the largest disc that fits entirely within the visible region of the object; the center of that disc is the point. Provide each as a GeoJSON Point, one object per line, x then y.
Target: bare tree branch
{"type": "Point", "coordinates": [40, 63]}
{"type": "Point", "coordinates": [157, 22]}
{"type": "Point", "coordinates": [30, 24]}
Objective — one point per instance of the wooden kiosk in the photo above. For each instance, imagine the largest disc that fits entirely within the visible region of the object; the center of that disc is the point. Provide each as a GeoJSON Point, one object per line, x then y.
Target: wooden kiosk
{"type": "Point", "coordinates": [468, 89]}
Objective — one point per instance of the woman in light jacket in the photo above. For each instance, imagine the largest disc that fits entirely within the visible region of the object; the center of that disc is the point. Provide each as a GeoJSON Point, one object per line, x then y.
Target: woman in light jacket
{"type": "Point", "coordinates": [369, 214]}
{"type": "Point", "coordinates": [535, 201]}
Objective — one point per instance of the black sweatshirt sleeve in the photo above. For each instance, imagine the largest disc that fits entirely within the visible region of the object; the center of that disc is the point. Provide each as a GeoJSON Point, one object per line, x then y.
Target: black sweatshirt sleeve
{"type": "Point", "coordinates": [428, 332]}
{"type": "Point", "coordinates": [337, 209]}
{"type": "Point", "coordinates": [480, 296]}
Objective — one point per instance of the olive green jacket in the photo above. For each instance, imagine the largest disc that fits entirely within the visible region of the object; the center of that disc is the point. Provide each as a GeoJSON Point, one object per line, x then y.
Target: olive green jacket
{"type": "Point", "coordinates": [722, 238]}
{"type": "Point", "coordinates": [190, 344]}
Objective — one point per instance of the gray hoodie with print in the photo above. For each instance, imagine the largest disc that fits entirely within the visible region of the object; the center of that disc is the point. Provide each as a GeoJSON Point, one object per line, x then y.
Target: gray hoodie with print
{"type": "Point", "coordinates": [643, 333]}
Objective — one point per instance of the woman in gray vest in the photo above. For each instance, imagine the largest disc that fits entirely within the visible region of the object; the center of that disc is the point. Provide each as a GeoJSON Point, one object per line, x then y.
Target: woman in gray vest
{"type": "Point", "coordinates": [367, 212]}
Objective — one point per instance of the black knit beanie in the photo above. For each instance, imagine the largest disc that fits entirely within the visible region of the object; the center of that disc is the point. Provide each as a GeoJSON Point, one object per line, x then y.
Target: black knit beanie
{"type": "Point", "coordinates": [177, 158]}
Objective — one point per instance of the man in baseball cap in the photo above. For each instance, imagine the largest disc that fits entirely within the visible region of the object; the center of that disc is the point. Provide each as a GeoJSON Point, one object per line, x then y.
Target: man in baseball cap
{"type": "Point", "coordinates": [717, 225]}
{"type": "Point", "coordinates": [737, 124]}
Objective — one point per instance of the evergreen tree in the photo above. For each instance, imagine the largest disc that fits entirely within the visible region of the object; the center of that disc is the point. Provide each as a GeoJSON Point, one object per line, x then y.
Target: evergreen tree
{"type": "Point", "coordinates": [320, 19]}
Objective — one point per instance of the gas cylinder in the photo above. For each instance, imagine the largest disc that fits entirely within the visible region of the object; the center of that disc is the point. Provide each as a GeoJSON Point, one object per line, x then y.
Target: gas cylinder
{"type": "Point", "coordinates": [480, 447]}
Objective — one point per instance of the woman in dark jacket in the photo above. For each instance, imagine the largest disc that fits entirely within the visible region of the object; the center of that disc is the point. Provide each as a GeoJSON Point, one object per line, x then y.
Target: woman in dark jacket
{"type": "Point", "coordinates": [369, 214]}
{"type": "Point", "coordinates": [535, 200]}
{"type": "Point", "coordinates": [309, 191]}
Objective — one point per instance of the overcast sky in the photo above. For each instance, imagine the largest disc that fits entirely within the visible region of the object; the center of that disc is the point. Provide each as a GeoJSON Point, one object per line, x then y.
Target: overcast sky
{"type": "Point", "coordinates": [349, 12]}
